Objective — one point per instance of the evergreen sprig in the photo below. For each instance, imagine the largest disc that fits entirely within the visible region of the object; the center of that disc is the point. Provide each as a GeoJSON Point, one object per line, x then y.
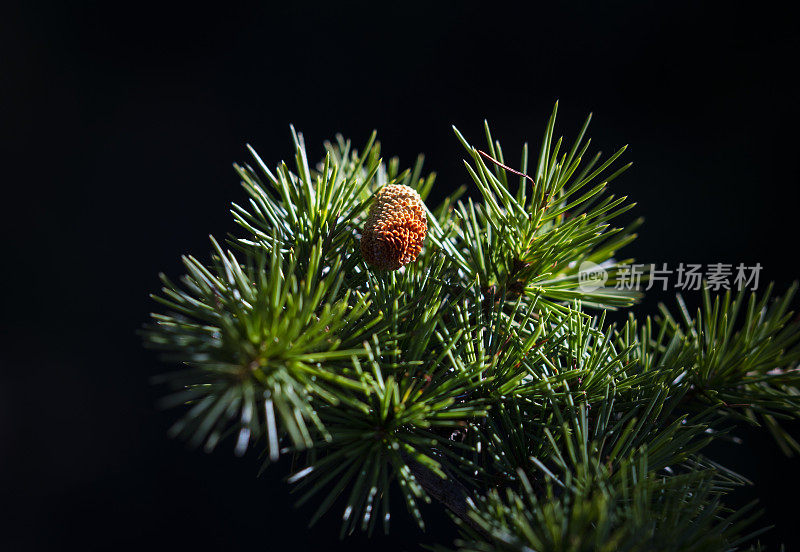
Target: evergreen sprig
{"type": "Point", "coordinates": [533, 242]}
{"type": "Point", "coordinates": [481, 376]}
{"type": "Point", "coordinates": [259, 342]}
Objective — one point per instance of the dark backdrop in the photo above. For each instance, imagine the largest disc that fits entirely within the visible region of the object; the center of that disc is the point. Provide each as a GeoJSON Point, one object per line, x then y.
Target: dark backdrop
{"type": "Point", "coordinates": [121, 122]}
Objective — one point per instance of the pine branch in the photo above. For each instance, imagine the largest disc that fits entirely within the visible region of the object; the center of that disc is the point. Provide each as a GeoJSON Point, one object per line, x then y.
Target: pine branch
{"type": "Point", "coordinates": [474, 376]}
{"type": "Point", "coordinates": [601, 494]}
{"type": "Point", "coordinates": [535, 240]}
{"type": "Point", "coordinates": [739, 355]}
{"type": "Point", "coordinates": [262, 340]}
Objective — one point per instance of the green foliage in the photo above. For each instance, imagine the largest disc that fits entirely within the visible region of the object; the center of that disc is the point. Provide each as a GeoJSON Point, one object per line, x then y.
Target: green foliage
{"type": "Point", "coordinates": [534, 241]}
{"type": "Point", "coordinates": [596, 509]}
{"type": "Point", "coordinates": [374, 434]}
{"type": "Point", "coordinates": [476, 369]}
{"type": "Point", "coordinates": [259, 342]}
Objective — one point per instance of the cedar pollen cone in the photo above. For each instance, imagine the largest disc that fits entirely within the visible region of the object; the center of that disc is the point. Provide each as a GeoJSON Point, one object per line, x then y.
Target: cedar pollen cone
{"type": "Point", "coordinates": [395, 228]}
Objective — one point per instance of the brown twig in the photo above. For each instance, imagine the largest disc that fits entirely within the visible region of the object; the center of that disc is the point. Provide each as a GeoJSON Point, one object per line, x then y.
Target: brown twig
{"type": "Point", "coordinates": [509, 169]}
{"type": "Point", "coordinates": [448, 492]}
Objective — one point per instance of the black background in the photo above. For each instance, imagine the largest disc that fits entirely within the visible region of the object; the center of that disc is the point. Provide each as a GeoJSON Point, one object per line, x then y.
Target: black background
{"type": "Point", "coordinates": [121, 122]}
